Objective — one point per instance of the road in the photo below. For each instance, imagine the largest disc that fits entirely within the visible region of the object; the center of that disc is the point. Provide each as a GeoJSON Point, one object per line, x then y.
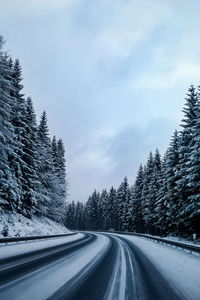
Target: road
{"type": "Point", "coordinates": [94, 266]}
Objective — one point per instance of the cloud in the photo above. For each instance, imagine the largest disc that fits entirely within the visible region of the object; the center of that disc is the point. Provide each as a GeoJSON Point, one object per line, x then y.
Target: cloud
{"type": "Point", "coordinates": [125, 26]}
{"type": "Point", "coordinates": [111, 74]}
{"type": "Point", "coordinates": [110, 157]}
{"type": "Point", "coordinates": [133, 144]}
{"type": "Point", "coordinates": [183, 73]}
{"type": "Point", "coordinates": [38, 4]}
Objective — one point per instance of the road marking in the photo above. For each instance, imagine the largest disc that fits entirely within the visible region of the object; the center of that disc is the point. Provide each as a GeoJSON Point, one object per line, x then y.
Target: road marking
{"type": "Point", "coordinates": [122, 289]}
{"type": "Point", "coordinates": [124, 261]}
{"type": "Point", "coordinates": [118, 286]}
{"type": "Point", "coordinates": [132, 273]}
{"type": "Point", "coordinates": [110, 294]}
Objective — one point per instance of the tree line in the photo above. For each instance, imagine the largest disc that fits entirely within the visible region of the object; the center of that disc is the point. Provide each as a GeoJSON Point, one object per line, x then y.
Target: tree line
{"type": "Point", "coordinates": [32, 165]}
{"type": "Point", "coordinates": [165, 197]}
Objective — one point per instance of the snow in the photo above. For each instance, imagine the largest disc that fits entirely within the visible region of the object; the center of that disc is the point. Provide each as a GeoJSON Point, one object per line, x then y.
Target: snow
{"type": "Point", "coordinates": [22, 248]}
{"type": "Point", "coordinates": [112, 287]}
{"type": "Point", "coordinates": [175, 238]}
{"type": "Point", "coordinates": [183, 240]}
{"type": "Point", "coordinates": [119, 280]}
{"type": "Point", "coordinates": [123, 273]}
{"type": "Point", "coordinates": [117, 286]}
{"type": "Point", "coordinates": [44, 282]}
{"type": "Point", "coordinates": [181, 268]}
{"type": "Point", "coordinates": [18, 225]}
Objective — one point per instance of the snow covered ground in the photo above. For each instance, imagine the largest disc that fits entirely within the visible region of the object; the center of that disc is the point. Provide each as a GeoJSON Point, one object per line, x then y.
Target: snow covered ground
{"type": "Point", "coordinates": [183, 240]}
{"type": "Point", "coordinates": [18, 225]}
{"type": "Point", "coordinates": [179, 267]}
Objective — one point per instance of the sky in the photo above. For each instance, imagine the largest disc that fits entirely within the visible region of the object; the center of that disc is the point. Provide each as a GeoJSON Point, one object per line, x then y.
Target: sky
{"type": "Point", "coordinates": [112, 76]}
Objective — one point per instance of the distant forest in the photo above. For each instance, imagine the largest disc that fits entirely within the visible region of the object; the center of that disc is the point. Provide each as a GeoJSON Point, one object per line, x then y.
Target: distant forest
{"type": "Point", "coordinates": [165, 197]}
{"type": "Point", "coordinates": [32, 165]}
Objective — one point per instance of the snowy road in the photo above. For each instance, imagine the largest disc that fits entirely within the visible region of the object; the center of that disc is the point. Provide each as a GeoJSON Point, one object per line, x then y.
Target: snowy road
{"type": "Point", "coordinates": [98, 266]}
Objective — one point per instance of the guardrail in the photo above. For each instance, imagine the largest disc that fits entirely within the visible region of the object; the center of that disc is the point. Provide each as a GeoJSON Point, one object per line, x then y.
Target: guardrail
{"type": "Point", "coordinates": [189, 247]}
{"type": "Point", "coordinates": [182, 245]}
{"type": "Point", "coordinates": [32, 238]}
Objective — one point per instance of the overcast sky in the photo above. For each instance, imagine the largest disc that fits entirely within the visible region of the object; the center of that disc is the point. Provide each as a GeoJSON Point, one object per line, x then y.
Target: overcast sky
{"type": "Point", "coordinates": [111, 74]}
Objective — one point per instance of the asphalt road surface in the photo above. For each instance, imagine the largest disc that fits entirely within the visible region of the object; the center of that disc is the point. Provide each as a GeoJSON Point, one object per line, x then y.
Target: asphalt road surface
{"type": "Point", "coordinates": [95, 267]}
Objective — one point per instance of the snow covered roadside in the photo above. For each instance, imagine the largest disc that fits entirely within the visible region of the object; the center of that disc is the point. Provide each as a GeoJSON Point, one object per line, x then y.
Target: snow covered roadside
{"type": "Point", "coordinates": [182, 240]}
{"type": "Point", "coordinates": [21, 248]}
{"type": "Point", "coordinates": [18, 225]}
{"type": "Point", "coordinates": [181, 269]}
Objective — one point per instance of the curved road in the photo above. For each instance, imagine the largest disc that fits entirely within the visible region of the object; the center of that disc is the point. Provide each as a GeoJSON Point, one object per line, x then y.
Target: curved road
{"type": "Point", "coordinates": [94, 267]}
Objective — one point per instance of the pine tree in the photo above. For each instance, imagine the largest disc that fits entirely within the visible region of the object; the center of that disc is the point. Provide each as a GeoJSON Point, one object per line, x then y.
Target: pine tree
{"type": "Point", "coordinates": [186, 139]}
{"type": "Point", "coordinates": [191, 208]}
{"type": "Point", "coordinates": [62, 170]}
{"type": "Point", "coordinates": [152, 194]}
{"type": "Point", "coordinates": [77, 216]}
{"type": "Point", "coordinates": [148, 171]}
{"type": "Point", "coordinates": [112, 209]}
{"type": "Point", "coordinates": [93, 210]}
{"type": "Point", "coordinates": [157, 160]}
{"type": "Point", "coordinates": [52, 172]}
{"type": "Point", "coordinates": [161, 203]}
{"type": "Point", "coordinates": [31, 181]}
{"type": "Point", "coordinates": [103, 210]}
{"type": "Point", "coordinates": [30, 157]}
{"type": "Point", "coordinates": [153, 188]}
{"type": "Point", "coordinates": [129, 211]}
{"type": "Point", "coordinates": [45, 167]}
{"type": "Point", "coordinates": [20, 125]}
{"type": "Point", "coordinates": [172, 174]}
{"type": "Point", "coordinates": [87, 214]}
{"type": "Point", "coordinates": [123, 199]}
{"type": "Point", "coordinates": [59, 186]}
{"type": "Point", "coordinates": [9, 184]}
{"type": "Point", "coordinates": [55, 154]}
{"type": "Point", "coordinates": [80, 216]}
{"type": "Point", "coordinates": [70, 216]}
{"type": "Point", "coordinates": [137, 213]}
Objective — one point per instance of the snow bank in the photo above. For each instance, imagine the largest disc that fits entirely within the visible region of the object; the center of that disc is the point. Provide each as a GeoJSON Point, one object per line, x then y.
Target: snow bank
{"type": "Point", "coordinates": [180, 268]}
{"type": "Point", "coordinates": [183, 240]}
{"type": "Point", "coordinates": [18, 225]}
